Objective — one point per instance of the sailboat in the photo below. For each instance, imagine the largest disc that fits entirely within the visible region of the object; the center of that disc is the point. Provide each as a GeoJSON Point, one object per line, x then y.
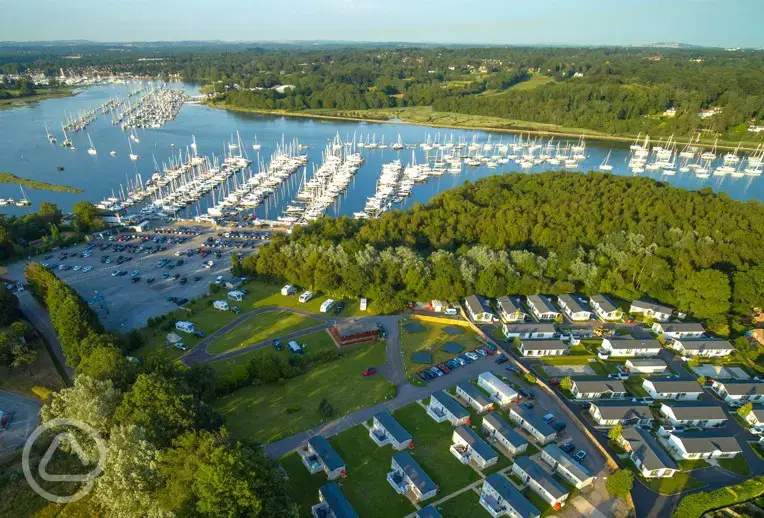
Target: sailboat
{"type": "Point", "coordinates": [135, 138]}
{"type": "Point", "coordinates": [67, 142]}
{"type": "Point", "coordinates": [193, 142]}
{"type": "Point", "coordinates": [51, 138]}
{"type": "Point", "coordinates": [133, 156]}
{"type": "Point", "coordinates": [710, 155]}
{"type": "Point", "coordinates": [605, 166]}
{"type": "Point", "coordinates": [91, 149]}
{"type": "Point", "coordinates": [23, 201]}
{"type": "Point", "coordinates": [399, 143]}
{"type": "Point", "coordinates": [256, 146]}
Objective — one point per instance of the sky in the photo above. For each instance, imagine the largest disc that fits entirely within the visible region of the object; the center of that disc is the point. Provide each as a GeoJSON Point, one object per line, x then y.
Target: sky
{"type": "Point", "coordinates": [719, 23]}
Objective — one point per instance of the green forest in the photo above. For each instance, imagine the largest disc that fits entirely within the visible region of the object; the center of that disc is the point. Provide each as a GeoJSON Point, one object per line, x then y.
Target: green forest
{"type": "Point", "coordinates": [168, 452]}
{"type": "Point", "coordinates": [551, 233]}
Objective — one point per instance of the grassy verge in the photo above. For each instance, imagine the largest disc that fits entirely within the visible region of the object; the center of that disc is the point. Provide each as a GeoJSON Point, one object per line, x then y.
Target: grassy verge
{"type": "Point", "coordinates": [634, 386]}
{"type": "Point", "coordinates": [461, 506]}
{"type": "Point", "coordinates": [367, 466]}
{"type": "Point", "coordinates": [312, 344]}
{"type": "Point", "coordinates": [736, 464]}
{"type": "Point", "coordinates": [302, 485]}
{"type": "Point", "coordinates": [258, 328]}
{"type": "Point", "coordinates": [568, 360]}
{"type": "Point", "coordinates": [679, 483]}
{"type": "Point", "coordinates": [690, 465]}
{"type": "Point", "coordinates": [270, 412]}
{"type": "Point", "coordinates": [431, 339]}
{"type": "Point", "coordinates": [432, 441]}
{"type": "Point", "coordinates": [36, 380]}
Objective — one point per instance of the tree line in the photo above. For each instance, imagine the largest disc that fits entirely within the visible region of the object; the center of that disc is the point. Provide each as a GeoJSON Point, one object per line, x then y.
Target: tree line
{"type": "Point", "coordinates": [556, 232]}
{"type": "Point", "coordinates": [167, 452]}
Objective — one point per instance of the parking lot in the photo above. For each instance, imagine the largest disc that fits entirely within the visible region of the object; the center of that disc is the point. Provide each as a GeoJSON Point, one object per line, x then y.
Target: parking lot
{"type": "Point", "coordinates": [142, 275]}
{"type": "Point", "coordinates": [22, 422]}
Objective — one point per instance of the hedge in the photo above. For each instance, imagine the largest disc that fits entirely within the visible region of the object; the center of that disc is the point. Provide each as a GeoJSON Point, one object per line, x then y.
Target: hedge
{"type": "Point", "coordinates": [693, 506]}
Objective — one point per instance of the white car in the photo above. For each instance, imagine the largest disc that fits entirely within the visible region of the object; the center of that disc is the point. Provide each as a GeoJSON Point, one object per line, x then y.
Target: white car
{"type": "Point", "coordinates": [87, 268]}
{"type": "Point", "coordinates": [219, 279]}
{"type": "Point", "coordinates": [77, 268]}
{"type": "Point", "coordinates": [460, 360]}
{"type": "Point", "coordinates": [472, 355]}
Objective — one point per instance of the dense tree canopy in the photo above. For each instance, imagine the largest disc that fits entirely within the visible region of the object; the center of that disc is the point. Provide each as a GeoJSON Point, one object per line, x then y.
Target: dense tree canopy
{"type": "Point", "coordinates": [552, 233]}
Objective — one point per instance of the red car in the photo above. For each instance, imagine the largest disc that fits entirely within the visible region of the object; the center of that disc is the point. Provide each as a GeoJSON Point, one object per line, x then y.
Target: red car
{"type": "Point", "coordinates": [369, 371]}
{"type": "Point", "coordinates": [629, 320]}
{"type": "Point", "coordinates": [554, 382]}
{"type": "Point", "coordinates": [443, 367]}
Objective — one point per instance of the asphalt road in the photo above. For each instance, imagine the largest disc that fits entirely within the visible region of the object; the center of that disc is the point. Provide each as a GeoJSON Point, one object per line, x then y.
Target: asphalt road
{"type": "Point", "coordinates": [25, 419]}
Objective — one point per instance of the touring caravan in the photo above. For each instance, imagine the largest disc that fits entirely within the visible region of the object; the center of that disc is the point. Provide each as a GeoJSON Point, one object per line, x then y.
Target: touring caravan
{"type": "Point", "coordinates": [306, 296]}
{"type": "Point", "coordinates": [236, 295]}
{"type": "Point", "coordinates": [186, 327]}
{"type": "Point", "coordinates": [220, 305]}
{"type": "Point", "coordinates": [288, 290]}
{"type": "Point", "coordinates": [327, 305]}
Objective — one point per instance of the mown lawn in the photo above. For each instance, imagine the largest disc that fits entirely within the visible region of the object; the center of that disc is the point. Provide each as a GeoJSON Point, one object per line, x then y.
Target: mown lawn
{"type": "Point", "coordinates": [312, 343]}
{"type": "Point", "coordinates": [462, 506]}
{"type": "Point", "coordinates": [634, 386]}
{"type": "Point", "coordinates": [431, 339]}
{"type": "Point", "coordinates": [302, 485]}
{"type": "Point", "coordinates": [689, 465]}
{"type": "Point", "coordinates": [263, 294]}
{"type": "Point", "coordinates": [36, 380]}
{"type": "Point", "coordinates": [367, 466]}
{"type": "Point", "coordinates": [736, 464]}
{"type": "Point", "coordinates": [258, 328]}
{"type": "Point", "coordinates": [262, 413]}
{"type": "Point", "coordinates": [669, 486]}
{"type": "Point", "coordinates": [432, 441]}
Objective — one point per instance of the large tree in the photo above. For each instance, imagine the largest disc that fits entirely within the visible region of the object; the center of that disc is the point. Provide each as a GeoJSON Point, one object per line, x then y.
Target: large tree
{"type": "Point", "coordinates": [705, 293]}
{"type": "Point", "coordinates": [9, 306]}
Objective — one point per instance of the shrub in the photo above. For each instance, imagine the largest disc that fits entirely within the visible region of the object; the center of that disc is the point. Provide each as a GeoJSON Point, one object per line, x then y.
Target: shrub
{"type": "Point", "coordinates": [694, 505]}
{"type": "Point", "coordinates": [326, 408]}
{"type": "Point", "coordinates": [293, 409]}
{"type": "Point", "coordinates": [619, 484]}
{"type": "Point", "coordinates": [530, 378]}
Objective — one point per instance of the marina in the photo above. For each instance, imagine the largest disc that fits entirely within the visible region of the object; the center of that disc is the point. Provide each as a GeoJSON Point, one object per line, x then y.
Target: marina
{"type": "Point", "coordinates": [169, 158]}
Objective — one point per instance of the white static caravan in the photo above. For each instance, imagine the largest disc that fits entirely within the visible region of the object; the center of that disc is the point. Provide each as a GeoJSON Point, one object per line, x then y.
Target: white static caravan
{"type": "Point", "coordinates": [220, 305]}
{"type": "Point", "coordinates": [326, 305]}
{"type": "Point", "coordinates": [186, 327]}
{"type": "Point", "coordinates": [498, 391]}
{"type": "Point", "coordinates": [236, 295]}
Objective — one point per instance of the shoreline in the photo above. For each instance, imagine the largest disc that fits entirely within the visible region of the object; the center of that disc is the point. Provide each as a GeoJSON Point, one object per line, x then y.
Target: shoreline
{"type": "Point", "coordinates": [10, 178]}
{"type": "Point", "coordinates": [552, 133]}
{"type": "Point", "coordinates": [17, 102]}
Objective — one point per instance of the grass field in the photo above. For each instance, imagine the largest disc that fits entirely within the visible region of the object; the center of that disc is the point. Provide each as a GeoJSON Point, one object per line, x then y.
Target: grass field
{"type": "Point", "coordinates": [634, 386]}
{"type": "Point", "coordinates": [736, 464]}
{"type": "Point", "coordinates": [302, 485]}
{"type": "Point", "coordinates": [367, 466]}
{"type": "Point", "coordinates": [262, 413]}
{"type": "Point", "coordinates": [534, 82]}
{"type": "Point", "coordinates": [689, 465]}
{"type": "Point", "coordinates": [258, 328]}
{"type": "Point", "coordinates": [466, 504]}
{"type": "Point", "coordinates": [430, 340]}
{"type": "Point", "coordinates": [312, 343]}
{"type": "Point", "coordinates": [669, 486]}
{"type": "Point", "coordinates": [432, 441]}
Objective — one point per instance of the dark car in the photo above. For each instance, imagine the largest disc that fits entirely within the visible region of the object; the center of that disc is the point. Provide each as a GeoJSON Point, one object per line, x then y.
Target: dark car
{"type": "Point", "coordinates": [176, 276]}
{"type": "Point", "coordinates": [277, 345]}
{"type": "Point", "coordinates": [369, 371]}
{"type": "Point", "coordinates": [501, 359]}
{"type": "Point", "coordinates": [527, 394]}
{"type": "Point", "coordinates": [197, 278]}
{"type": "Point", "coordinates": [135, 279]}
{"type": "Point", "coordinates": [150, 280]}
{"type": "Point", "coordinates": [122, 273]}
{"type": "Point", "coordinates": [528, 405]}
{"type": "Point", "coordinates": [5, 421]}
{"type": "Point", "coordinates": [180, 301]}
{"type": "Point", "coordinates": [165, 275]}
{"type": "Point", "coordinates": [585, 405]}
{"type": "Point", "coordinates": [568, 447]}
{"type": "Point", "coordinates": [559, 426]}
{"type": "Point", "coordinates": [183, 280]}
{"type": "Point", "coordinates": [179, 262]}
{"type": "Point", "coordinates": [200, 334]}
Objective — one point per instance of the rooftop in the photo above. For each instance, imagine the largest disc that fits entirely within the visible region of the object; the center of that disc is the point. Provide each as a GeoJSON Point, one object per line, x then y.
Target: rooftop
{"type": "Point", "coordinates": [706, 344]}
{"type": "Point", "coordinates": [572, 303]}
{"type": "Point", "coordinates": [474, 392]}
{"type": "Point", "coordinates": [476, 443]}
{"type": "Point", "coordinates": [507, 305]}
{"type": "Point", "coordinates": [659, 308]}
{"type": "Point", "coordinates": [505, 430]}
{"type": "Point", "coordinates": [696, 411]}
{"type": "Point", "coordinates": [682, 327]}
{"type": "Point", "coordinates": [542, 304]}
{"type": "Point", "coordinates": [707, 442]}
{"type": "Point", "coordinates": [647, 449]}
{"type": "Point", "coordinates": [414, 472]}
{"type": "Point", "coordinates": [498, 385]}
{"type": "Point", "coordinates": [325, 452]}
{"type": "Point", "coordinates": [590, 386]}
{"type": "Point", "coordinates": [531, 327]}
{"type": "Point", "coordinates": [627, 342]}
{"type": "Point", "coordinates": [646, 362]}
{"type": "Point", "coordinates": [477, 304]}
{"type": "Point", "coordinates": [576, 469]}
{"type": "Point", "coordinates": [508, 492]}
{"type": "Point", "coordinates": [617, 410]}
{"type": "Point", "coordinates": [393, 427]}
{"type": "Point", "coordinates": [428, 512]}
{"type": "Point", "coordinates": [743, 388]}
{"type": "Point", "coordinates": [336, 501]}
{"type": "Point", "coordinates": [450, 404]}
{"type": "Point", "coordinates": [541, 476]}
{"type": "Point", "coordinates": [605, 303]}
{"type": "Point", "coordinates": [536, 421]}
{"type": "Point", "coordinates": [675, 386]}
{"type": "Point", "coordinates": [545, 345]}
{"type": "Point", "coordinates": [356, 327]}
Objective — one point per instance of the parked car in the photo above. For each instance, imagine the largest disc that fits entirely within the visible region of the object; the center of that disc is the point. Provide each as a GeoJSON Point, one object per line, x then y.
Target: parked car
{"type": "Point", "coordinates": [554, 382]}
{"type": "Point", "coordinates": [5, 420]}
{"type": "Point", "coordinates": [443, 368]}
{"type": "Point", "coordinates": [236, 309]}
{"type": "Point", "coordinates": [466, 358]}
{"type": "Point", "coordinates": [548, 418]}
{"type": "Point", "coordinates": [568, 447]}
{"type": "Point", "coordinates": [527, 394]}
{"type": "Point", "coordinates": [150, 280]}
{"type": "Point", "coordinates": [115, 273]}
{"type": "Point", "coordinates": [452, 364]}
{"type": "Point", "coordinates": [184, 280]}
{"type": "Point", "coordinates": [200, 334]}
{"type": "Point", "coordinates": [491, 347]}
{"type": "Point", "coordinates": [585, 405]}
{"type": "Point", "coordinates": [512, 368]}
{"type": "Point", "coordinates": [134, 273]}
{"type": "Point", "coordinates": [460, 360]}
{"type": "Point", "coordinates": [277, 345]}
{"type": "Point", "coordinates": [87, 268]}
{"type": "Point", "coordinates": [369, 371]}
{"type": "Point", "coordinates": [436, 371]}
{"type": "Point", "coordinates": [580, 455]}
{"type": "Point", "coordinates": [165, 275]}
{"type": "Point", "coordinates": [472, 356]}
{"type": "Point", "coordinates": [528, 405]}
{"type": "Point", "coordinates": [560, 426]}
{"type": "Point", "coordinates": [479, 351]}
{"type": "Point", "coordinates": [135, 279]}
{"type": "Point", "coordinates": [501, 359]}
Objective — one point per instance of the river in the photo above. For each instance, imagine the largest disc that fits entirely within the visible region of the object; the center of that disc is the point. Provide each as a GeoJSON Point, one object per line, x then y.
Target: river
{"type": "Point", "coordinates": [26, 152]}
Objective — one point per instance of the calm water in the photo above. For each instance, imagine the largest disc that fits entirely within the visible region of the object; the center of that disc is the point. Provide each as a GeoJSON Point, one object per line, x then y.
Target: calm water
{"type": "Point", "coordinates": [25, 151]}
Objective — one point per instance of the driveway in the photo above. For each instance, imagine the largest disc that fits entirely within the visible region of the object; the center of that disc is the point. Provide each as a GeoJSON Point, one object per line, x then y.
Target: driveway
{"type": "Point", "coordinates": [25, 419]}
